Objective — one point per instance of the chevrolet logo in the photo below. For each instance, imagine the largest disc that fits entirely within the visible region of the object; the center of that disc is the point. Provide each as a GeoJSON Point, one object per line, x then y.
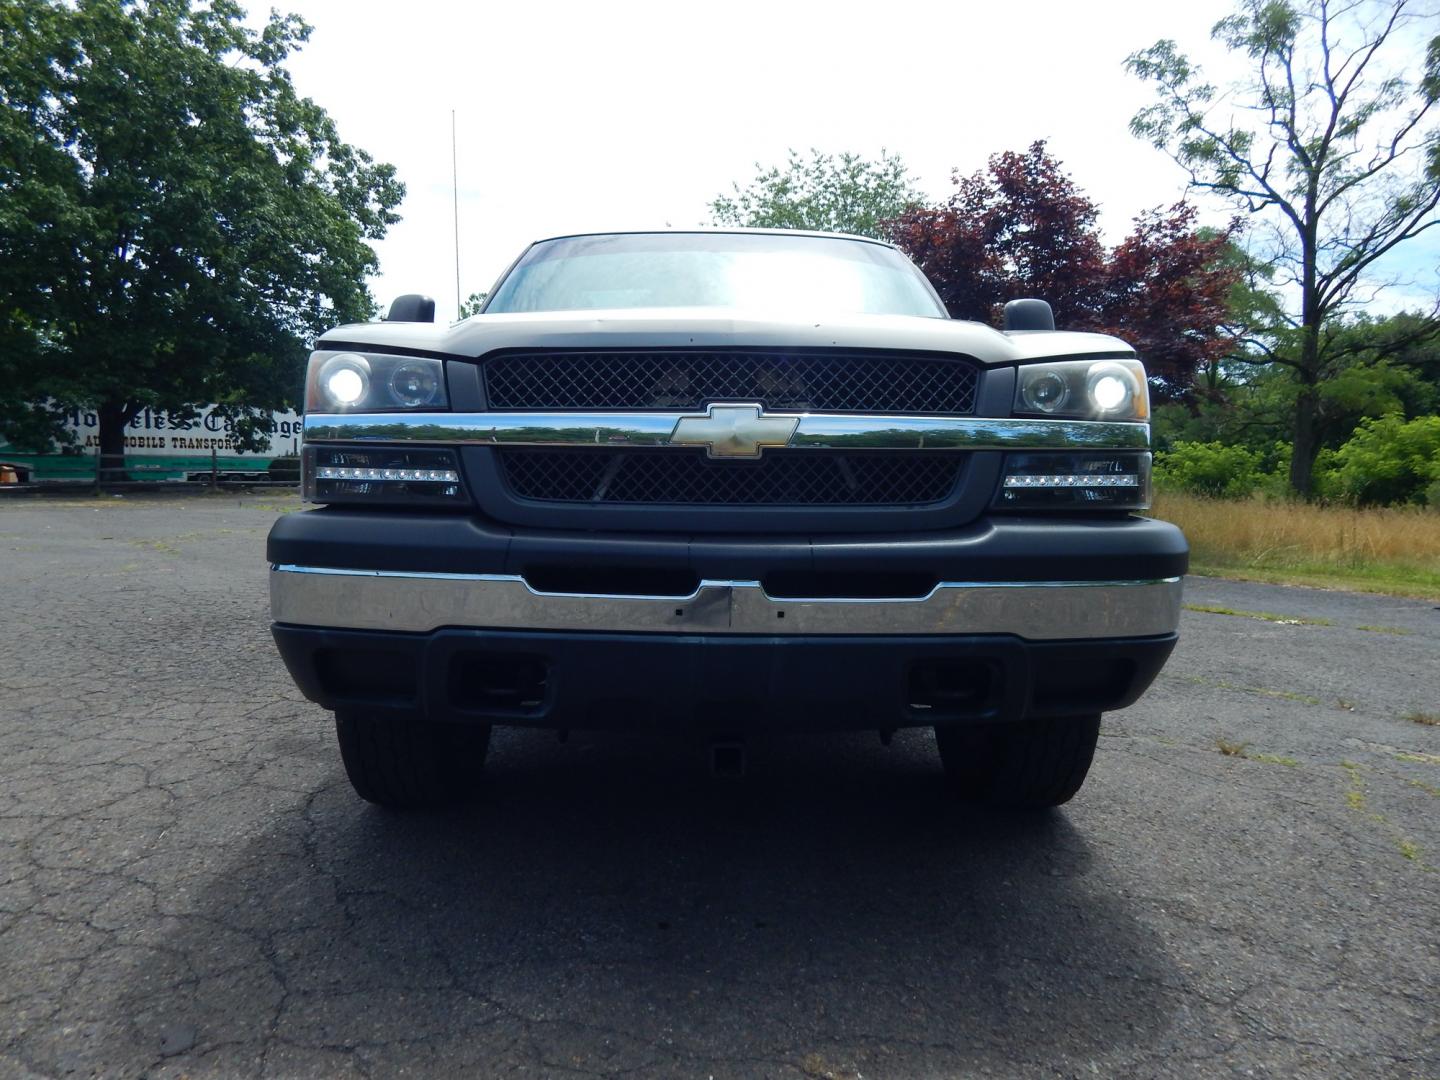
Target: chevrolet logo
{"type": "Point", "coordinates": [734, 431]}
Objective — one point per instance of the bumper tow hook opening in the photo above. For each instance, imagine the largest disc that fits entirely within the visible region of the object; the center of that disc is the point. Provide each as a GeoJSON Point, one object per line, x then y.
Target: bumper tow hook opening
{"type": "Point", "coordinates": [727, 759]}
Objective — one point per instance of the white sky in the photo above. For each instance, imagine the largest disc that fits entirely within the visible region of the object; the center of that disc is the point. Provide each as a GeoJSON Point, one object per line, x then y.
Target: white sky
{"type": "Point", "coordinates": [575, 117]}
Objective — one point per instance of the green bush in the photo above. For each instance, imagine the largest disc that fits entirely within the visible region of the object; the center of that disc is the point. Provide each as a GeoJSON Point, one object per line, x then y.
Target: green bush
{"type": "Point", "coordinates": [1388, 460]}
{"type": "Point", "coordinates": [1209, 468]}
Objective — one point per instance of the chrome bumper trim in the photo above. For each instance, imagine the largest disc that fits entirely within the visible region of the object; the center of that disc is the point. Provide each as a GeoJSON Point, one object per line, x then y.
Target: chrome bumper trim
{"type": "Point", "coordinates": [420, 602]}
{"type": "Point", "coordinates": [812, 430]}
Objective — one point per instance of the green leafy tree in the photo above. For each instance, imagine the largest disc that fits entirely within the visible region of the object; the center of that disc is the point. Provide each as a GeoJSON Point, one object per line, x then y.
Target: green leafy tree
{"type": "Point", "coordinates": [1209, 468]}
{"type": "Point", "coordinates": [176, 222]}
{"type": "Point", "coordinates": [1331, 143]}
{"type": "Point", "coordinates": [1378, 367]}
{"type": "Point", "coordinates": [822, 193]}
{"type": "Point", "coordinates": [1389, 460]}
{"type": "Point", "coordinates": [472, 304]}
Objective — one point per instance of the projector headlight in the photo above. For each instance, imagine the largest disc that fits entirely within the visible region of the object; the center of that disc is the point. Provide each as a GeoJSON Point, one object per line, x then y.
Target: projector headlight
{"type": "Point", "coordinates": [1083, 390]}
{"type": "Point", "coordinates": [338, 382]}
{"type": "Point", "coordinates": [343, 380]}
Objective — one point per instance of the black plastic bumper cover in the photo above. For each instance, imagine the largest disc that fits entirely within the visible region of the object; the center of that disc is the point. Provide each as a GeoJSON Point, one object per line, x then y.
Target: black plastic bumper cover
{"type": "Point", "coordinates": [713, 683]}
{"type": "Point", "coordinates": [995, 548]}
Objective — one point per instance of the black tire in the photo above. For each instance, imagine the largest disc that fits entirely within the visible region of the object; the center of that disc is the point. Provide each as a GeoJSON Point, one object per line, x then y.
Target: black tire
{"type": "Point", "coordinates": [406, 762]}
{"type": "Point", "coordinates": [1031, 765]}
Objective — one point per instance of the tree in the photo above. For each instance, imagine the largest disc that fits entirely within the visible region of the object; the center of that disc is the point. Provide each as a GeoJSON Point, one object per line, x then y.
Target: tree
{"type": "Point", "coordinates": [824, 194]}
{"type": "Point", "coordinates": [472, 304]}
{"type": "Point", "coordinates": [1330, 144]}
{"type": "Point", "coordinates": [1020, 227]}
{"type": "Point", "coordinates": [176, 222]}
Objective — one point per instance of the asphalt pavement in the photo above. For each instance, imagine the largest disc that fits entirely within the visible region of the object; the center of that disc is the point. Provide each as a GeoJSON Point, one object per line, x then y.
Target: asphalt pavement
{"type": "Point", "coordinates": [189, 888]}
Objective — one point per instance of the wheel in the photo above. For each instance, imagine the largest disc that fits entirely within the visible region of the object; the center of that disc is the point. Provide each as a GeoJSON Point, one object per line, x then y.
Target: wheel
{"type": "Point", "coordinates": [1033, 765]}
{"type": "Point", "coordinates": [405, 761]}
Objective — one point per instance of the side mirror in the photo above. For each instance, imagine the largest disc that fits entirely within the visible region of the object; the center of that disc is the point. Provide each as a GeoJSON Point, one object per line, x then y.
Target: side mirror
{"type": "Point", "coordinates": [1027, 315]}
{"type": "Point", "coordinates": [412, 307]}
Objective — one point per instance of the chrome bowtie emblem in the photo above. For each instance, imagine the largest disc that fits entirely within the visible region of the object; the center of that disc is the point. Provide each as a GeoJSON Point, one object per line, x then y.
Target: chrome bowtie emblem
{"type": "Point", "coordinates": [734, 431]}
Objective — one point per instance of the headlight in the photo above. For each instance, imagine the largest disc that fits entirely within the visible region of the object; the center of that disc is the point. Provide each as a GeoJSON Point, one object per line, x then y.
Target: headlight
{"type": "Point", "coordinates": [344, 380]}
{"type": "Point", "coordinates": [373, 382]}
{"type": "Point", "coordinates": [1084, 390]}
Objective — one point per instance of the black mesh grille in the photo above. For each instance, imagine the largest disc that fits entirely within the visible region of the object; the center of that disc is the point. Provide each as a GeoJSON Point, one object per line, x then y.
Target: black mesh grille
{"type": "Point", "coordinates": [819, 382]}
{"type": "Point", "coordinates": [685, 477]}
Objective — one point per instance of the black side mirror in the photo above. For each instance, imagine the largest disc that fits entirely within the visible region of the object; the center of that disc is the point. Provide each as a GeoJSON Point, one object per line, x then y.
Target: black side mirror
{"type": "Point", "coordinates": [412, 307]}
{"type": "Point", "coordinates": [1027, 315]}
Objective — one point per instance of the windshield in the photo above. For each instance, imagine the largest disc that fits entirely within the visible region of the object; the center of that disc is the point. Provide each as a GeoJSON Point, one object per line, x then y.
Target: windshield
{"type": "Point", "coordinates": [797, 275]}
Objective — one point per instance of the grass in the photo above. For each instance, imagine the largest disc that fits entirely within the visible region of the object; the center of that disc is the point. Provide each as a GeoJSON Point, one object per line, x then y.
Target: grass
{"type": "Point", "coordinates": [1267, 616]}
{"type": "Point", "coordinates": [1356, 800]}
{"type": "Point", "coordinates": [1398, 631]}
{"type": "Point", "coordinates": [1429, 719]}
{"type": "Point", "coordinates": [1242, 750]}
{"type": "Point", "coordinates": [1394, 551]}
{"type": "Point", "coordinates": [1263, 691]}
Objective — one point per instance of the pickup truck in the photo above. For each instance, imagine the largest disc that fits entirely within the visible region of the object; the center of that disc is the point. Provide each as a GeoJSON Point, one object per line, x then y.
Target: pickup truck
{"type": "Point", "coordinates": [723, 483]}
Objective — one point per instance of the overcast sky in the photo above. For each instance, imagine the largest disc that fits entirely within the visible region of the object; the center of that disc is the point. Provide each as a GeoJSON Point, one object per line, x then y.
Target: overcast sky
{"type": "Point", "coordinates": [575, 117]}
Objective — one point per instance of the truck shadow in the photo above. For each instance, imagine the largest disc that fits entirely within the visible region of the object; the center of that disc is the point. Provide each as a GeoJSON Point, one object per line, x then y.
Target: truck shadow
{"type": "Point", "coordinates": [605, 906]}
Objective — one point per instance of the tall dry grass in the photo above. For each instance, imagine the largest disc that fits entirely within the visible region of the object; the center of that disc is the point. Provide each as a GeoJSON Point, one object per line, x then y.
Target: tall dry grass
{"type": "Point", "coordinates": [1392, 545]}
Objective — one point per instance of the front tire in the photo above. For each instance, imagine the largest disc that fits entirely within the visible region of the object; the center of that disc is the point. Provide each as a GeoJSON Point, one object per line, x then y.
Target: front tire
{"type": "Point", "coordinates": [404, 761]}
{"type": "Point", "coordinates": [1031, 765]}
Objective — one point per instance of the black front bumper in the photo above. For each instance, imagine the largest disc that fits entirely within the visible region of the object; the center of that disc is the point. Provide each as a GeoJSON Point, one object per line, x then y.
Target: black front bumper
{"type": "Point", "coordinates": [610, 677]}
{"type": "Point", "coordinates": [716, 683]}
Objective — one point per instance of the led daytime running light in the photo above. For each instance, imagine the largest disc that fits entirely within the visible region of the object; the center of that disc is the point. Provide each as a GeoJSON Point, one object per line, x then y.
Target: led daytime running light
{"type": "Point", "coordinates": [332, 472]}
{"type": "Point", "coordinates": [1072, 480]}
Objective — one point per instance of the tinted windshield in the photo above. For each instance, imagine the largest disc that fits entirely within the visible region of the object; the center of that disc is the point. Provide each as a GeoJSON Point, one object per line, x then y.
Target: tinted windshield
{"type": "Point", "coordinates": [799, 275]}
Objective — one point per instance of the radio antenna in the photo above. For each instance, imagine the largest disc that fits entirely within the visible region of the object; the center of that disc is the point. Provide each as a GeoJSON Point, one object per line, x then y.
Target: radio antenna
{"type": "Point", "coordinates": [455, 195]}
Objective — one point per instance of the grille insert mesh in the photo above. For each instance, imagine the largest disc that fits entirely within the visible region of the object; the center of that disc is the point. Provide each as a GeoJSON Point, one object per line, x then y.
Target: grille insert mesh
{"type": "Point", "coordinates": [690, 478]}
{"type": "Point", "coordinates": [817, 382]}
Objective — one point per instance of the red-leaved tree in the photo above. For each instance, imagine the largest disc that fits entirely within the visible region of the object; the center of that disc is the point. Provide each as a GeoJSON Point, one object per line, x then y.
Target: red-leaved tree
{"type": "Point", "coordinates": [1020, 227]}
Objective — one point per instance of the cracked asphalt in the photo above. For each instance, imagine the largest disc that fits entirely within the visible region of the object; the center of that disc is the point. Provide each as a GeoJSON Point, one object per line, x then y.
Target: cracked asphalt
{"type": "Point", "coordinates": [189, 888]}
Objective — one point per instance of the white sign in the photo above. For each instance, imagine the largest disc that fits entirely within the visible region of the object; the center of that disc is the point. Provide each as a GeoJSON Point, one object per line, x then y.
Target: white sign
{"type": "Point", "coordinates": [155, 431]}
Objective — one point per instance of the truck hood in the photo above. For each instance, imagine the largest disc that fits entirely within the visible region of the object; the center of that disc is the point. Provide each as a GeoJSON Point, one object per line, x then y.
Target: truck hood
{"type": "Point", "coordinates": [660, 328]}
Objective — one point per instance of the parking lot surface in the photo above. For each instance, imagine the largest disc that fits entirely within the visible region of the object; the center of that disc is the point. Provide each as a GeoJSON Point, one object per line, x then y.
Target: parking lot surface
{"type": "Point", "coordinates": [1248, 883]}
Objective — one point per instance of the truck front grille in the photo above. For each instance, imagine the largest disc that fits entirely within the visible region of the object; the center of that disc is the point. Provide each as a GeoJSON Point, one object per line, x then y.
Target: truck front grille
{"type": "Point", "coordinates": [835, 381]}
{"type": "Point", "coordinates": [690, 478]}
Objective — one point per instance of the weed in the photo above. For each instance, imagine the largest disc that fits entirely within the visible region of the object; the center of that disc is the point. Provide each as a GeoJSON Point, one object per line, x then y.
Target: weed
{"type": "Point", "coordinates": [1429, 719]}
{"type": "Point", "coordinates": [1231, 749]}
{"type": "Point", "coordinates": [1398, 631]}
{"type": "Point", "coordinates": [1221, 684]}
{"type": "Point", "coordinates": [1422, 759]}
{"type": "Point", "coordinates": [1267, 616]}
{"type": "Point", "coordinates": [1345, 703]}
{"type": "Point", "coordinates": [1356, 800]}
{"type": "Point", "coordinates": [1355, 792]}
{"type": "Point", "coordinates": [1283, 695]}
{"type": "Point", "coordinates": [1274, 759]}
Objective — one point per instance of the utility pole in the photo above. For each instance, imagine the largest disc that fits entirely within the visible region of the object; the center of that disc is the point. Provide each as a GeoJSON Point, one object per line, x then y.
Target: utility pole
{"type": "Point", "coordinates": [455, 193]}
